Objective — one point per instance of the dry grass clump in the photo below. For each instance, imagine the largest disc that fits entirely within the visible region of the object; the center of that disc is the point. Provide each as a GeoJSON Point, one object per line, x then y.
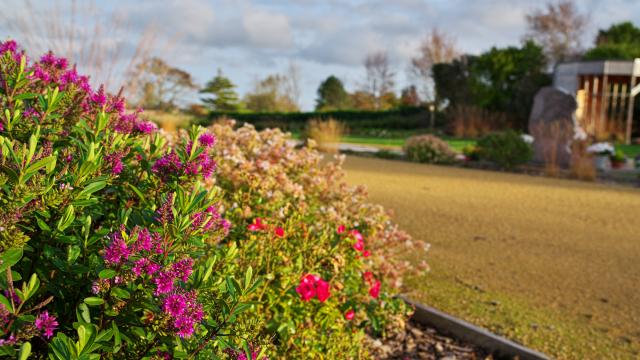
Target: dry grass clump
{"type": "Point", "coordinates": [326, 133]}
{"type": "Point", "coordinates": [472, 121]}
{"type": "Point", "coordinates": [168, 121]}
{"type": "Point", "coordinates": [582, 166]}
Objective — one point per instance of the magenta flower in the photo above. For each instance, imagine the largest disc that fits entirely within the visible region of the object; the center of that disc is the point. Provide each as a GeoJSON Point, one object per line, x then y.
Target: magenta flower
{"type": "Point", "coordinates": [117, 250]}
{"type": "Point", "coordinates": [164, 282]}
{"type": "Point", "coordinates": [207, 139]}
{"type": "Point", "coordinates": [350, 314]}
{"type": "Point", "coordinates": [175, 305]}
{"type": "Point", "coordinates": [183, 268]}
{"type": "Point", "coordinates": [146, 127]}
{"type": "Point", "coordinates": [9, 45]}
{"type": "Point", "coordinates": [46, 323]}
{"type": "Point", "coordinates": [341, 229]}
{"type": "Point", "coordinates": [168, 164]}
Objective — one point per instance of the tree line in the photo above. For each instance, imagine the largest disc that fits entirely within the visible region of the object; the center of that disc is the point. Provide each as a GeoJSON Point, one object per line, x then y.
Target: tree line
{"type": "Point", "coordinates": [500, 79]}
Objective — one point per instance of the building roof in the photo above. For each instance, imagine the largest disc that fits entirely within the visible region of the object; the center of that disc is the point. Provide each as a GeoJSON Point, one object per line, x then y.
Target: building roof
{"type": "Point", "coordinates": [601, 67]}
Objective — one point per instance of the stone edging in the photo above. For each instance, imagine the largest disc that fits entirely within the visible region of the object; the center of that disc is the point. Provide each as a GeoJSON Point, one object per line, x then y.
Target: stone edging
{"type": "Point", "coordinates": [460, 329]}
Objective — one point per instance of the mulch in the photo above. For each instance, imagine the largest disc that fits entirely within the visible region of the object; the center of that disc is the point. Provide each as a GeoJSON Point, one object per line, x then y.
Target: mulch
{"type": "Point", "coordinates": [422, 342]}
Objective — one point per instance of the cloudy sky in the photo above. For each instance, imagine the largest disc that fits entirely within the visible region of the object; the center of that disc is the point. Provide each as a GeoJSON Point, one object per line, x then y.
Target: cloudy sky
{"type": "Point", "coordinates": [250, 39]}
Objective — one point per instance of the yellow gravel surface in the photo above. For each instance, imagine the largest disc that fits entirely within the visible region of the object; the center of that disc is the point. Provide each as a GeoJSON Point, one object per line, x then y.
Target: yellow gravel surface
{"type": "Point", "coordinates": [565, 245]}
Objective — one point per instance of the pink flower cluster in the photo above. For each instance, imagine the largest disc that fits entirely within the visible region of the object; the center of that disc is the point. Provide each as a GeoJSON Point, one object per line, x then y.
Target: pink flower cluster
{"type": "Point", "coordinates": [185, 312]}
{"type": "Point", "coordinates": [171, 165]}
{"type": "Point", "coordinates": [182, 307]}
{"type": "Point", "coordinates": [210, 220]}
{"type": "Point", "coordinates": [313, 286]}
{"type": "Point", "coordinates": [359, 244]}
{"type": "Point", "coordinates": [47, 323]}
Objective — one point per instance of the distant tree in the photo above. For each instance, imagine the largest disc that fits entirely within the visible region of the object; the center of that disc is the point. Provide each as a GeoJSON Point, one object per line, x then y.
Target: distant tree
{"type": "Point", "coordinates": [618, 42]}
{"type": "Point", "coordinates": [379, 76]}
{"type": "Point", "coordinates": [558, 28]}
{"type": "Point", "coordinates": [292, 85]}
{"type": "Point", "coordinates": [332, 95]}
{"type": "Point", "coordinates": [163, 86]}
{"type": "Point", "coordinates": [409, 96]}
{"type": "Point", "coordinates": [435, 48]}
{"type": "Point", "coordinates": [500, 80]}
{"type": "Point", "coordinates": [271, 95]}
{"type": "Point", "coordinates": [362, 100]}
{"type": "Point", "coordinates": [223, 96]}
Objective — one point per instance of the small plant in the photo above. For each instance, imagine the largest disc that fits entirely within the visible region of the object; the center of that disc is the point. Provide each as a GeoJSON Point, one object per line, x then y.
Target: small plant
{"type": "Point", "coordinates": [326, 133]}
{"type": "Point", "coordinates": [429, 149]}
{"type": "Point", "coordinates": [471, 152]}
{"type": "Point", "coordinates": [618, 159]}
{"type": "Point", "coordinates": [506, 149]}
{"type": "Point", "coordinates": [601, 149]}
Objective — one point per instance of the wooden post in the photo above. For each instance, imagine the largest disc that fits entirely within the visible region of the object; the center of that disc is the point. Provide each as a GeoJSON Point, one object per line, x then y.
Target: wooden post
{"type": "Point", "coordinates": [633, 90]}
{"type": "Point", "coordinates": [604, 102]}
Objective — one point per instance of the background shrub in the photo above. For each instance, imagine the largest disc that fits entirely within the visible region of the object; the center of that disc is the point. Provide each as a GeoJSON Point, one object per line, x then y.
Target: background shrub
{"type": "Point", "coordinates": [355, 120]}
{"type": "Point", "coordinates": [506, 149]}
{"type": "Point", "coordinates": [429, 149]}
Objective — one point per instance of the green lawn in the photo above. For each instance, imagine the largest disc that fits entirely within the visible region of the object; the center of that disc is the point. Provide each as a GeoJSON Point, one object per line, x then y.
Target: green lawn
{"type": "Point", "coordinates": [630, 150]}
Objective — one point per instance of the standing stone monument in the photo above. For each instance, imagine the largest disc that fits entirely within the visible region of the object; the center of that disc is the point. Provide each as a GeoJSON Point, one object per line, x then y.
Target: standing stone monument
{"type": "Point", "coordinates": [553, 126]}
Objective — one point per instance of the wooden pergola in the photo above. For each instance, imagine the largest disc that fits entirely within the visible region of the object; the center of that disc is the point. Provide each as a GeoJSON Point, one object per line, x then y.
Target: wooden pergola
{"type": "Point", "coordinates": [605, 93]}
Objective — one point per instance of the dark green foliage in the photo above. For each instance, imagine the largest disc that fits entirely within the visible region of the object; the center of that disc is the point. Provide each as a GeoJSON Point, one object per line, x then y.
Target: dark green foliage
{"type": "Point", "coordinates": [224, 96]}
{"type": "Point", "coordinates": [332, 95]}
{"type": "Point", "coordinates": [618, 42]}
{"type": "Point", "coordinates": [505, 149]}
{"type": "Point", "coordinates": [499, 80]}
{"type": "Point", "coordinates": [402, 118]}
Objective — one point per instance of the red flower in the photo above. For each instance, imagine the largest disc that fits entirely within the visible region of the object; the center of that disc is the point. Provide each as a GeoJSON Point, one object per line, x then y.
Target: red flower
{"type": "Point", "coordinates": [307, 289]}
{"type": "Point", "coordinates": [374, 291]}
{"type": "Point", "coordinates": [359, 246]}
{"type": "Point", "coordinates": [366, 253]}
{"type": "Point", "coordinates": [279, 232]}
{"type": "Point", "coordinates": [312, 285]}
{"type": "Point", "coordinates": [341, 229]}
{"type": "Point", "coordinates": [350, 314]}
{"type": "Point", "coordinates": [322, 290]}
{"type": "Point", "coordinates": [368, 276]}
{"type": "Point", "coordinates": [257, 225]}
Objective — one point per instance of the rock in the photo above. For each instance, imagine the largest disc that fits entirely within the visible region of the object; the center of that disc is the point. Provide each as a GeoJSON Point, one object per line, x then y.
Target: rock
{"type": "Point", "coordinates": [439, 348]}
{"type": "Point", "coordinates": [553, 126]}
{"type": "Point", "coordinates": [450, 357]}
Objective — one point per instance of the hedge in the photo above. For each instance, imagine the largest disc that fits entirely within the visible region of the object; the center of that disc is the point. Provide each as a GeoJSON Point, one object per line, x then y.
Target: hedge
{"type": "Point", "coordinates": [402, 118]}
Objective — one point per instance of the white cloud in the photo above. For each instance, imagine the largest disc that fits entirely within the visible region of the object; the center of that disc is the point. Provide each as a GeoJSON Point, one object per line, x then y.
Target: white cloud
{"type": "Point", "coordinates": [267, 29]}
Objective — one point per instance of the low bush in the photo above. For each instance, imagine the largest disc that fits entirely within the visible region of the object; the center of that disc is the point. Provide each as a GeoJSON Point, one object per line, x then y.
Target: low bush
{"type": "Point", "coordinates": [129, 244]}
{"type": "Point", "coordinates": [429, 149]}
{"type": "Point", "coordinates": [295, 215]}
{"type": "Point", "coordinates": [326, 133]}
{"type": "Point", "coordinates": [506, 149]}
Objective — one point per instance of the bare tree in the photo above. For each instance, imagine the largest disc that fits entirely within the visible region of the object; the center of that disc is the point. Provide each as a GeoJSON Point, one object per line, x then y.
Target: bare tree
{"type": "Point", "coordinates": [162, 86]}
{"type": "Point", "coordinates": [436, 47]}
{"type": "Point", "coordinates": [558, 28]}
{"type": "Point", "coordinates": [379, 80]}
{"type": "Point", "coordinates": [292, 83]}
{"type": "Point", "coordinates": [98, 43]}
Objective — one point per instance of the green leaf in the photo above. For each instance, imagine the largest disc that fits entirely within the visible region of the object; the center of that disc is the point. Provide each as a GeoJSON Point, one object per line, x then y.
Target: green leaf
{"type": "Point", "coordinates": [73, 253]}
{"type": "Point", "coordinates": [43, 225]}
{"type": "Point", "coordinates": [93, 301]}
{"type": "Point", "coordinates": [107, 274]}
{"type": "Point", "coordinates": [83, 313]}
{"type": "Point", "coordinates": [10, 257]}
{"type": "Point", "coordinates": [25, 351]}
{"type": "Point", "coordinates": [49, 162]}
{"type": "Point", "coordinates": [247, 277]}
{"type": "Point", "coordinates": [67, 218]}
{"type": "Point", "coordinates": [120, 293]}
{"type": "Point", "coordinates": [92, 187]}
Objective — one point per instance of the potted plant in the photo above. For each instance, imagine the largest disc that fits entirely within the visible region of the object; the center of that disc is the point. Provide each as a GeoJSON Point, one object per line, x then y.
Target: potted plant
{"type": "Point", "coordinates": [618, 159]}
{"type": "Point", "coordinates": [601, 153]}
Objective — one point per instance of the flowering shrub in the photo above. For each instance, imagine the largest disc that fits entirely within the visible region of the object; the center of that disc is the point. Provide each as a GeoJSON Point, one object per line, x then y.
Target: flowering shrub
{"type": "Point", "coordinates": [111, 226]}
{"type": "Point", "coordinates": [329, 258]}
{"type": "Point", "coordinates": [429, 149]}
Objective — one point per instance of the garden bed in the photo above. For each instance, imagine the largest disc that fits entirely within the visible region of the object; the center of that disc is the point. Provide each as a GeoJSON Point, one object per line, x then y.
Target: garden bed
{"type": "Point", "coordinates": [419, 341]}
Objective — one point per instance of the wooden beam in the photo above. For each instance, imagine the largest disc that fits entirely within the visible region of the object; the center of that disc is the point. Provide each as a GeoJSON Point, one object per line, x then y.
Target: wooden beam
{"type": "Point", "coordinates": [632, 84]}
